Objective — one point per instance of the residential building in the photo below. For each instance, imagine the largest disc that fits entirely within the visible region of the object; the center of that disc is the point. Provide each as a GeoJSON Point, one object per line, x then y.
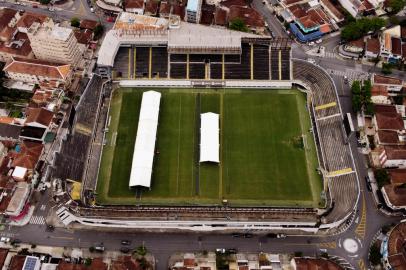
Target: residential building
{"type": "Point", "coordinates": [54, 43]}
{"type": "Point", "coordinates": [394, 193]}
{"type": "Point", "coordinates": [357, 7]}
{"type": "Point", "coordinates": [373, 48]}
{"type": "Point", "coordinates": [151, 8]}
{"type": "Point", "coordinates": [26, 155]}
{"type": "Point", "coordinates": [193, 11]}
{"type": "Point", "coordinates": [332, 11]}
{"type": "Point", "coordinates": [395, 257]}
{"type": "Point", "coordinates": [253, 20]}
{"type": "Point", "coordinates": [391, 45]}
{"type": "Point", "coordinates": [14, 41]}
{"type": "Point", "coordinates": [37, 124]}
{"type": "Point", "coordinates": [314, 263]}
{"type": "Point", "coordinates": [48, 76]}
{"type": "Point", "coordinates": [394, 85]}
{"type": "Point", "coordinates": [18, 200]}
{"type": "Point", "coordinates": [393, 157]}
{"type": "Point", "coordinates": [134, 6]}
{"type": "Point", "coordinates": [380, 95]}
{"type": "Point", "coordinates": [389, 125]}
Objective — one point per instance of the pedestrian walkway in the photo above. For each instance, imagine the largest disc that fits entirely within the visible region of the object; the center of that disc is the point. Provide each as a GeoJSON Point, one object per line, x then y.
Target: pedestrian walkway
{"type": "Point", "coordinates": [361, 228]}
{"type": "Point", "coordinates": [38, 220]}
{"type": "Point", "coordinates": [351, 74]}
{"type": "Point", "coordinates": [332, 245]}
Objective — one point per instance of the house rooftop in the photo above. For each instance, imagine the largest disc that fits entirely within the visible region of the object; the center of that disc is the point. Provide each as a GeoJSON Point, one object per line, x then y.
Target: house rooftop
{"type": "Point", "coordinates": [396, 46]}
{"type": "Point", "coordinates": [88, 24]}
{"type": "Point", "coordinates": [387, 117]}
{"type": "Point", "coordinates": [373, 45]}
{"type": "Point", "coordinates": [136, 4]}
{"type": "Point", "coordinates": [38, 68]}
{"type": "Point", "coordinates": [388, 137]}
{"type": "Point", "coordinates": [379, 90]}
{"type": "Point", "coordinates": [39, 115]}
{"type": "Point", "coordinates": [250, 16]}
{"type": "Point", "coordinates": [312, 264]}
{"type": "Point", "coordinates": [397, 176]}
{"type": "Point", "coordinates": [395, 152]}
{"type": "Point", "coordinates": [381, 79]}
{"type": "Point", "coordinates": [10, 131]}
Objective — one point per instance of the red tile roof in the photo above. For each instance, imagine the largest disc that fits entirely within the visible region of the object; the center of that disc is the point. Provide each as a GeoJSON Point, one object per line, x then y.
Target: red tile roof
{"type": "Point", "coordinates": [396, 196]}
{"type": "Point", "coordinates": [316, 264]}
{"type": "Point", "coordinates": [396, 245]}
{"type": "Point", "coordinates": [359, 43]}
{"type": "Point", "coordinates": [29, 18]}
{"type": "Point", "coordinates": [138, 4]}
{"type": "Point", "coordinates": [249, 15]}
{"type": "Point", "coordinates": [39, 115]}
{"type": "Point", "coordinates": [388, 118]}
{"type": "Point", "coordinates": [207, 17]}
{"type": "Point", "coordinates": [83, 36]}
{"type": "Point", "coordinates": [379, 90]}
{"type": "Point", "coordinates": [396, 46]}
{"type": "Point", "coordinates": [229, 3]}
{"type": "Point", "coordinates": [179, 9]}
{"type": "Point", "coordinates": [151, 7]}
{"type": "Point", "coordinates": [3, 255]}
{"type": "Point", "coordinates": [333, 9]}
{"type": "Point", "coordinates": [373, 45]}
{"type": "Point", "coordinates": [397, 176]}
{"type": "Point", "coordinates": [380, 79]}
{"type": "Point", "coordinates": [395, 152]}
{"type": "Point", "coordinates": [17, 262]}
{"type": "Point", "coordinates": [164, 8]}
{"type": "Point", "coordinates": [6, 14]}
{"type": "Point", "coordinates": [125, 263]}
{"type": "Point", "coordinates": [88, 24]}
{"type": "Point", "coordinates": [28, 156]}
{"type": "Point", "coordinates": [38, 68]}
{"type": "Point", "coordinates": [388, 137]}
{"type": "Point", "coordinates": [220, 16]}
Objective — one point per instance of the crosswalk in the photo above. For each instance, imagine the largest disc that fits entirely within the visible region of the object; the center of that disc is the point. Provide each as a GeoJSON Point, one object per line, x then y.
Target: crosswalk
{"type": "Point", "coordinates": [329, 55]}
{"type": "Point", "coordinates": [351, 74]}
{"type": "Point", "coordinates": [38, 220]}
{"type": "Point", "coordinates": [331, 245]}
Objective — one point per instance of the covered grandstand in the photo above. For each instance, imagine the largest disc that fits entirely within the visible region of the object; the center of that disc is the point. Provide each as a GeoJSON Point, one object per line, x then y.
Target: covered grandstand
{"type": "Point", "coordinates": [142, 47]}
{"type": "Point", "coordinates": [209, 137]}
{"type": "Point", "coordinates": [144, 149]}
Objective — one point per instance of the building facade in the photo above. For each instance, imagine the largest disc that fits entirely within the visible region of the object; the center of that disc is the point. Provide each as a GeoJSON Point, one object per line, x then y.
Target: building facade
{"type": "Point", "coordinates": [54, 43]}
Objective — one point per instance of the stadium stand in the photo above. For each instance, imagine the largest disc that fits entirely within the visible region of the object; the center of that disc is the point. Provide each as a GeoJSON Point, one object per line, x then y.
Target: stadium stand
{"type": "Point", "coordinates": [245, 55]}
{"type": "Point", "coordinates": [336, 155]}
{"type": "Point", "coordinates": [70, 160]}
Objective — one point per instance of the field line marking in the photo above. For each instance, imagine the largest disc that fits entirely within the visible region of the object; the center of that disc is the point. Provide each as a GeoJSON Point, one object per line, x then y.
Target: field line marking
{"type": "Point", "coordinates": [221, 146]}
{"type": "Point", "coordinates": [177, 169]}
{"type": "Point", "coordinates": [307, 157]}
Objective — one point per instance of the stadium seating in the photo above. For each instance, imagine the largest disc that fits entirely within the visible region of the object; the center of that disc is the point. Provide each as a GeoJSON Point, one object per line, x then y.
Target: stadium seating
{"type": "Point", "coordinates": [178, 71]}
{"type": "Point", "coordinates": [242, 70]}
{"type": "Point", "coordinates": [261, 62]}
{"type": "Point", "coordinates": [274, 64]}
{"type": "Point", "coordinates": [197, 71]}
{"type": "Point", "coordinates": [159, 62]}
{"type": "Point", "coordinates": [142, 62]}
{"type": "Point", "coordinates": [216, 71]}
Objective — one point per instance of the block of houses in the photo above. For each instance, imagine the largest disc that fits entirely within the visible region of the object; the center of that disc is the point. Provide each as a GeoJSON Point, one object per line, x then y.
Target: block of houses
{"type": "Point", "coordinates": [314, 263]}
{"type": "Point", "coordinates": [373, 48]}
{"type": "Point", "coordinates": [389, 125]}
{"type": "Point", "coordinates": [19, 198]}
{"type": "Point", "coordinates": [26, 155]}
{"type": "Point", "coordinates": [393, 85]}
{"type": "Point", "coordinates": [358, 8]}
{"type": "Point", "coordinates": [151, 8]}
{"type": "Point", "coordinates": [253, 20]}
{"type": "Point", "coordinates": [37, 124]}
{"type": "Point", "coordinates": [47, 75]}
{"type": "Point", "coordinates": [380, 95]}
{"type": "Point", "coordinates": [391, 45]}
{"type": "Point", "coordinates": [134, 6]}
{"type": "Point", "coordinates": [14, 41]}
{"type": "Point", "coordinates": [332, 10]}
{"type": "Point", "coordinates": [394, 193]}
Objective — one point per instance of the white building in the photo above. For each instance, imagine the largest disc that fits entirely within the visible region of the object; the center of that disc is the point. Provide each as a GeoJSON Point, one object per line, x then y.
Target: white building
{"type": "Point", "coordinates": [19, 198]}
{"type": "Point", "coordinates": [193, 11]}
{"type": "Point", "coordinates": [54, 43]}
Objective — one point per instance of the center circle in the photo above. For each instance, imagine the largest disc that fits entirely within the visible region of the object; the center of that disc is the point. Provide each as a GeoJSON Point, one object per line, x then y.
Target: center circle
{"type": "Point", "coordinates": [350, 245]}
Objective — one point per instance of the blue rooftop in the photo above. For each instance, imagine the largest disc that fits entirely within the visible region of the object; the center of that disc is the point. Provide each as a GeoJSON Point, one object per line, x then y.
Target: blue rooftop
{"type": "Point", "coordinates": [305, 37]}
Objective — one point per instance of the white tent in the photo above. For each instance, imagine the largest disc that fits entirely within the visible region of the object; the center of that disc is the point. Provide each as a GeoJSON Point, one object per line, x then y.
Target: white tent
{"type": "Point", "coordinates": [209, 137]}
{"type": "Point", "coordinates": [144, 148]}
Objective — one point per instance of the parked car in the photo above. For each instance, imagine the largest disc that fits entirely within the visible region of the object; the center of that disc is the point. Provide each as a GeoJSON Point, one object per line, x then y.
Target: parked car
{"type": "Point", "coordinates": [311, 43]}
{"type": "Point", "coordinates": [272, 235]}
{"type": "Point", "coordinates": [319, 41]}
{"type": "Point", "coordinates": [248, 235]}
{"type": "Point", "coordinates": [220, 250]}
{"type": "Point", "coordinates": [91, 9]}
{"type": "Point", "coordinates": [237, 234]}
{"type": "Point", "coordinates": [124, 249]}
{"type": "Point", "coordinates": [5, 239]}
{"type": "Point", "coordinates": [231, 251]}
{"type": "Point", "coordinates": [99, 248]}
{"type": "Point", "coordinates": [126, 242]}
{"type": "Point", "coordinates": [369, 186]}
{"type": "Point", "coordinates": [281, 235]}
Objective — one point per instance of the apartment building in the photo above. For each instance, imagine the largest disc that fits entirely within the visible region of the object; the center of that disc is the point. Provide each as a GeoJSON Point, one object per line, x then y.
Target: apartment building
{"type": "Point", "coordinates": [54, 43]}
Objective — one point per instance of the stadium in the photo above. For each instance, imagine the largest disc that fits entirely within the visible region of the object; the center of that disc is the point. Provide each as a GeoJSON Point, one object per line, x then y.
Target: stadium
{"type": "Point", "coordinates": [280, 157]}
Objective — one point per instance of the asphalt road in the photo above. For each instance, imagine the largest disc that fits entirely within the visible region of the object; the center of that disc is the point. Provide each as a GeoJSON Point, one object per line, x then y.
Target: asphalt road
{"type": "Point", "coordinates": [367, 221]}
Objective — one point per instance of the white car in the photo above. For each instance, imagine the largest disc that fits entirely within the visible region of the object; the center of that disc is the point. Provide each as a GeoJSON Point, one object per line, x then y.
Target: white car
{"type": "Point", "coordinates": [51, 9]}
{"type": "Point", "coordinates": [319, 41]}
{"type": "Point", "coordinates": [311, 43]}
{"type": "Point", "coordinates": [310, 60]}
{"type": "Point", "coordinates": [5, 239]}
{"type": "Point", "coordinates": [92, 9]}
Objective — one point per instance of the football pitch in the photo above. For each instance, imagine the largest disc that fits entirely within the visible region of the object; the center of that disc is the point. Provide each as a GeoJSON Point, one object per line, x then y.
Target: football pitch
{"type": "Point", "coordinates": [267, 152]}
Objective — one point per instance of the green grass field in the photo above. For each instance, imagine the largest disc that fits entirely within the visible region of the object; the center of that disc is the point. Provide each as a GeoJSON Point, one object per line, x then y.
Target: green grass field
{"type": "Point", "coordinates": [267, 152]}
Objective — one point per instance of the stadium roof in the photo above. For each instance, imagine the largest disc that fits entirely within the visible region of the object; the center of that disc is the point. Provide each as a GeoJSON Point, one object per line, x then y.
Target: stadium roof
{"type": "Point", "coordinates": [209, 137]}
{"type": "Point", "coordinates": [139, 29]}
{"type": "Point", "coordinates": [144, 148]}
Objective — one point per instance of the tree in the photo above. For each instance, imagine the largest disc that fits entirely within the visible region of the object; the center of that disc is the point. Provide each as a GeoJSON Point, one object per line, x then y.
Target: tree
{"type": "Point", "coordinates": [88, 261]}
{"type": "Point", "coordinates": [141, 250]}
{"type": "Point", "coordinates": [92, 249]}
{"type": "Point", "coordinates": [356, 96]}
{"type": "Point", "coordinates": [75, 22]}
{"type": "Point", "coordinates": [386, 68]}
{"type": "Point", "coordinates": [394, 20]}
{"type": "Point", "coordinates": [44, 2]}
{"type": "Point", "coordinates": [361, 27]}
{"type": "Point", "coordinates": [239, 25]}
{"type": "Point", "coordinates": [382, 177]}
{"type": "Point", "coordinates": [98, 31]}
{"type": "Point", "coordinates": [375, 255]}
{"type": "Point", "coordinates": [396, 5]}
